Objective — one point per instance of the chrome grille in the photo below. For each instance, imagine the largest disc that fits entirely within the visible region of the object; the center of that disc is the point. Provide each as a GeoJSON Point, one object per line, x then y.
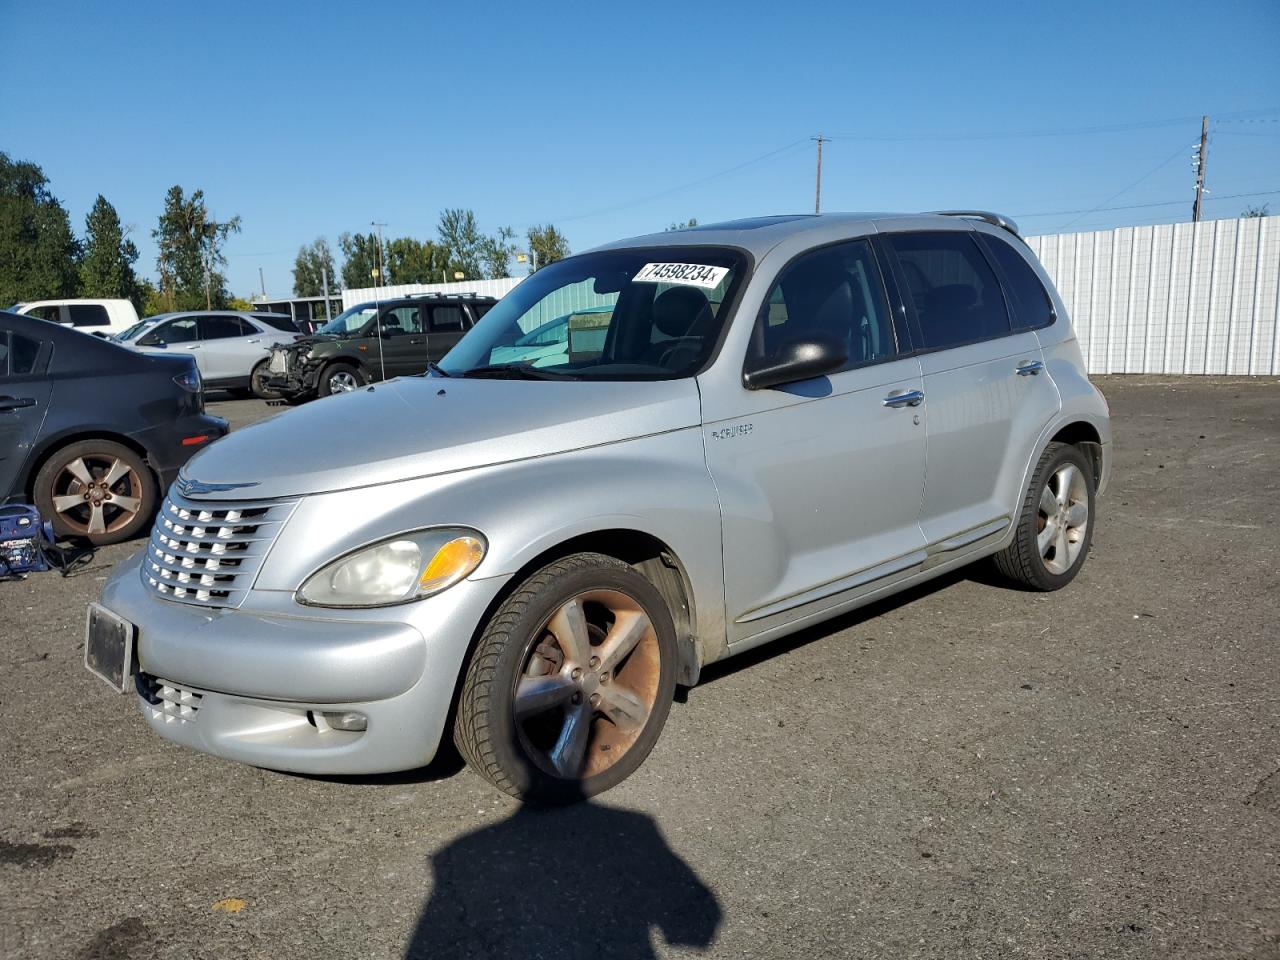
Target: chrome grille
{"type": "Point", "coordinates": [209, 554]}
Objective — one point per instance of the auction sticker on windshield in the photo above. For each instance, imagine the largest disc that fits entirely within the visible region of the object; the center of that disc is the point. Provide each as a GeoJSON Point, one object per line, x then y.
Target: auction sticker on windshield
{"type": "Point", "coordinates": [692, 274]}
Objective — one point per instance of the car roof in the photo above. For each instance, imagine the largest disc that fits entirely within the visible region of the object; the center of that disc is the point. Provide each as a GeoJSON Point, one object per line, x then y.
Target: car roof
{"type": "Point", "coordinates": [759, 235]}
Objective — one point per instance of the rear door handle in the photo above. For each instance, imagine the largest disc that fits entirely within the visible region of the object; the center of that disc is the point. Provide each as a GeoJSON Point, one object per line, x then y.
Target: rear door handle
{"type": "Point", "coordinates": [16, 403]}
{"type": "Point", "coordinates": [904, 398]}
{"type": "Point", "coordinates": [1029, 368]}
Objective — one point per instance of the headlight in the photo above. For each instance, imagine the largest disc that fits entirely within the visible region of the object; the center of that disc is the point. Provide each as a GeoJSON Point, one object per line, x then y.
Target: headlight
{"type": "Point", "coordinates": [396, 570]}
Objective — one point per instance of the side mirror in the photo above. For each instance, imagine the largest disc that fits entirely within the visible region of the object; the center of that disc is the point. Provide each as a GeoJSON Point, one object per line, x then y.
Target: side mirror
{"type": "Point", "coordinates": [800, 359]}
{"type": "Point", "coordinates": [152, 341]}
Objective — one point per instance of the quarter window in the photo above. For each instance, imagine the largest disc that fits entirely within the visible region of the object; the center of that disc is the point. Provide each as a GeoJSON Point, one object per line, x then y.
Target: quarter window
{"type": "Point", "coordinates": [835, 292]}
{"type": "Point", "coordinates": [956, 296]}
{"type": "Point", "coordinates": [88, 315]}
{"type": "Point", "coordinates": [18, 354]}
{"type": "Point", "coordinates": [1027, 297]}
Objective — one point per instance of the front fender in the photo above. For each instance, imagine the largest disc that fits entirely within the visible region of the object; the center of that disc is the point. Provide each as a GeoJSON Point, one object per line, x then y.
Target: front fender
{"type": "Point", "coordinates": [656, 485]}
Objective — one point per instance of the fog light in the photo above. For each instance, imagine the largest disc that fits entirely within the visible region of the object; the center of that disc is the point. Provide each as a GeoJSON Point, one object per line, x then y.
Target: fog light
{"type": "Point", "coordinates": [346, 720]}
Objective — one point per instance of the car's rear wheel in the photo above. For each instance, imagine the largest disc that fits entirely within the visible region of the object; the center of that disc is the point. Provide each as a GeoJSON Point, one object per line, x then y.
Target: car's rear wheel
{"type": "Point", "coordinates": [258, 382]}
{"type": "Point", "coordinates": [97, 489]}
{"type": "Point", "coordinates": [1055, 525]}
{"type": "Point", "coordinates": [341, 378]}
{"type": "Point", "coordinates": [570, 685]}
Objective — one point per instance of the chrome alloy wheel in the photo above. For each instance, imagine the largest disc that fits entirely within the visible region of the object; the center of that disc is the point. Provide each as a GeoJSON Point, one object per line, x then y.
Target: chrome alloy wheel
{"type": "Point", "coordinates": [1063, 518]}
{"type": "Point", "coordinates": [588, 686]}
{"type": "Point", "coordinates": [97, 494]}
{"type": "Point", "coordinates": [343, 381]}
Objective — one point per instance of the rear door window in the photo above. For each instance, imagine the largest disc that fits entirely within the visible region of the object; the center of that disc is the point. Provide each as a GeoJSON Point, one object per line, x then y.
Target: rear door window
{"type": "Point", "coordinates": [223, 328]}
{"type": "Point", "coordinates": [1028, 299]}
{"type": "Point", "coordinates": [446, 319]}
{"type": "Point", "coordinates": [88, 315]}
{"type": "Point", "coordinates": [955, 293]}
{"type": "Point", "coordinates": [834, 292]}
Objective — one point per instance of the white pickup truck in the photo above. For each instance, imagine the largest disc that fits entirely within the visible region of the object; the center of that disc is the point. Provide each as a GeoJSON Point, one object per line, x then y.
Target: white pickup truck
{"type": "Point", "coordinates": [103, 317]}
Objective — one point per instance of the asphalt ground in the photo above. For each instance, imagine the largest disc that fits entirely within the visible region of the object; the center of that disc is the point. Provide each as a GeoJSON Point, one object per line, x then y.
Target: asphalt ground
{"type": "Point", "coordinates": [967, 771]}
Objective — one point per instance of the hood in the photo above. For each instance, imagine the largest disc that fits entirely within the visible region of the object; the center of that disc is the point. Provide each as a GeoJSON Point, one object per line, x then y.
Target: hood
{"type": "Point", "coordinates": [418, 427]}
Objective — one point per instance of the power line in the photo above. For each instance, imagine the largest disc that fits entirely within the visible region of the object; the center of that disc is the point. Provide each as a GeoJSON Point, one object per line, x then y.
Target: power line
{"type": "Point", "coordinates": [1247, 116]}
{"type": "Point", "coordinates": [685, 186]}
{"type": "Point", "coordinates": [1141, 206]}
{"type": "Point", "coordinates": [1115, 196]}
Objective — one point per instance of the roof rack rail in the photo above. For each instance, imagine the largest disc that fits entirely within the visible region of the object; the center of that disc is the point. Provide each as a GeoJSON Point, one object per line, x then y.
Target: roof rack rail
{"type": "Point", "coordinates": [995, 219]}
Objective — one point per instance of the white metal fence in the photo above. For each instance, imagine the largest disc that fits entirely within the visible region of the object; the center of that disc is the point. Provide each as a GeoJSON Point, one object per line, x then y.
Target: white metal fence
{"type": "Point", "coordinates": [483, 288]}
{"type": "Point", "coordinates": [1174, 298]}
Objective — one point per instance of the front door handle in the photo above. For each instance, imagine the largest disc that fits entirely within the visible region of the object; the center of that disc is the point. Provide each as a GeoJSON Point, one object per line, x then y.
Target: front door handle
{"type": "Point", "coordinates": [16, 403]}
{"type": "Point", "coordinates": [904, 398]}
{"type": "Point", "coordinates": [193, 346]}
{"type": "Point", "coordinates": [1029, 368]}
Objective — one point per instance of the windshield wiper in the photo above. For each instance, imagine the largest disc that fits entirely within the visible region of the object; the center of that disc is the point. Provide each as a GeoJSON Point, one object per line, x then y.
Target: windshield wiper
{"type": "Point", "coordinates": [521, 371]}
{"type": "Point", "coordinates": [433, 367]}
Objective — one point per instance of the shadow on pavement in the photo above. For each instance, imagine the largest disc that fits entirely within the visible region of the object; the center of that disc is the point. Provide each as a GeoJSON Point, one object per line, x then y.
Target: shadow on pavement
{"type": "Point", "coordinates": [578, 881]}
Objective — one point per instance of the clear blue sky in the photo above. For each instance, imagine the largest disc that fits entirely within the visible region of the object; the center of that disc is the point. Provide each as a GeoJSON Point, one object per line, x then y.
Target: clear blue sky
{"type": "Point", "coordinates": [309, 119]}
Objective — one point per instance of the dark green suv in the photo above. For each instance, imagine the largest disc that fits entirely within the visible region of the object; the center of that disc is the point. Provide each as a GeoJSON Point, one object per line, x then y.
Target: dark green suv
{"type": "Point", "coordinates": [373, 341]}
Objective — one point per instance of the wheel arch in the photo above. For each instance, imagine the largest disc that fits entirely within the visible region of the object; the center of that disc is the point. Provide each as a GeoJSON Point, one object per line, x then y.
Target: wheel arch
{"type": "Point", "coordinates": [1083, 434]}
{"type": "Point", "coordinates": [652, 558]}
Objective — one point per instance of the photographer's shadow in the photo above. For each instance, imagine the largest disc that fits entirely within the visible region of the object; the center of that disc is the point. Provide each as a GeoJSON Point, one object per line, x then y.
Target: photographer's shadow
{"type": "Point", "coordinates": [578, 881]}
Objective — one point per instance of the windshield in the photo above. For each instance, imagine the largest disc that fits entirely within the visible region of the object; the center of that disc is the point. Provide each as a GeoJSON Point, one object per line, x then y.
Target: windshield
{"type": "Point", "coordinates": [136, 329]}
{"type": "Point", "coordinates": [350, 321]}
{"type": "Point", "coordinates": [650, 313]}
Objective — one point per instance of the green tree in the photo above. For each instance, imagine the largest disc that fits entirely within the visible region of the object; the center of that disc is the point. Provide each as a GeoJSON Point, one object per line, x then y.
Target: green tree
{"type": "Point", "coordinates": [496, 253]}
{"type": "Point", "coordinates": [38, 251]}
{"type": "Point", "coordinates": [191, 252]}
{"type": "Point", "coordinates": [1254, 211]}
{"type": "Point", "coordinates": [691, 222]}
{"type": "Point", "coordinates": [314, 261]}
{"type": "Point", "coordinates": [416, 261]}
{"type": "Point", "coordinates": [106, 265]}
{"type": "Point", "coordinates": [547, 244]}
{"type": "Point", "coordinates": [464, 245]}
{"type": "Point", "coordinates": [360, 259]}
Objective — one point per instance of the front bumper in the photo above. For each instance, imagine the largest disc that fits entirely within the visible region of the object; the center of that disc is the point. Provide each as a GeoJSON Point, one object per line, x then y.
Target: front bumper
{"type": "Point", "coordinates": [301, 377]}
{"type": "Point", "coordinates": [253, 681]}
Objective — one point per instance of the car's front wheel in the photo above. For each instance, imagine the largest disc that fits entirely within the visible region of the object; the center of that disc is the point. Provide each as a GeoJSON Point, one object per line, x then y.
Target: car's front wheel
{"type": "Point", "coordinates": [1055, 524]}
{"type": "Point", "coordinates": [571, 682]}
{"type": "Point", "coordinates": [258, 382]}
{"type": "Point", "coordinates": [340, 378]}
{"type": "Point", "coordinates": [97, 489]}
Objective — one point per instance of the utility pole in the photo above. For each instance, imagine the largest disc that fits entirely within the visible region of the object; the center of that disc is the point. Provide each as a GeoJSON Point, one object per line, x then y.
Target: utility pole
{"type": "Point", "coordinates": [262, 280]}
{"type": "Point", "coordinates": [1201, 157]}
{"type": "Point", "coordinates": [817, 193]}
{"type": "Point", "coordinates": [324, 282]}
{"type": "Point", "coordinates": [382, 360]}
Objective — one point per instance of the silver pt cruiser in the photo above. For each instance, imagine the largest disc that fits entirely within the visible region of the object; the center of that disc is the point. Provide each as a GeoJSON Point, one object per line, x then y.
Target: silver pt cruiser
{"type": "Point", "coordinates": [644, 459]}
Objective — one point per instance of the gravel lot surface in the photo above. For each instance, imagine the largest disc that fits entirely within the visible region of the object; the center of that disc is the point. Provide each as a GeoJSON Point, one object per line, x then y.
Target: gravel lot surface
{"type": "Point", "coordinates": [970, 771]}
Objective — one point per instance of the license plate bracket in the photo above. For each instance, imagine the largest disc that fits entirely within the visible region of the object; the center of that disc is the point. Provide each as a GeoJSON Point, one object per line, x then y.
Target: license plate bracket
{"type": "Point", "coordinates": [108, 647]}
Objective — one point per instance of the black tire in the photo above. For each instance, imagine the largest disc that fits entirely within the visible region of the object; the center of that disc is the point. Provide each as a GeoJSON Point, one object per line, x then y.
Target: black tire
{"type": "Point", "coordinates": [258, 382]}
{"type": "Point", "coordinates": [486, 730]}
{"type": "Point", "coordinates": [1022, 560]}
{"type": "Point", "coordinates": [57, 479]}
{"type": "Point", "coordinates": [325, 386]}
